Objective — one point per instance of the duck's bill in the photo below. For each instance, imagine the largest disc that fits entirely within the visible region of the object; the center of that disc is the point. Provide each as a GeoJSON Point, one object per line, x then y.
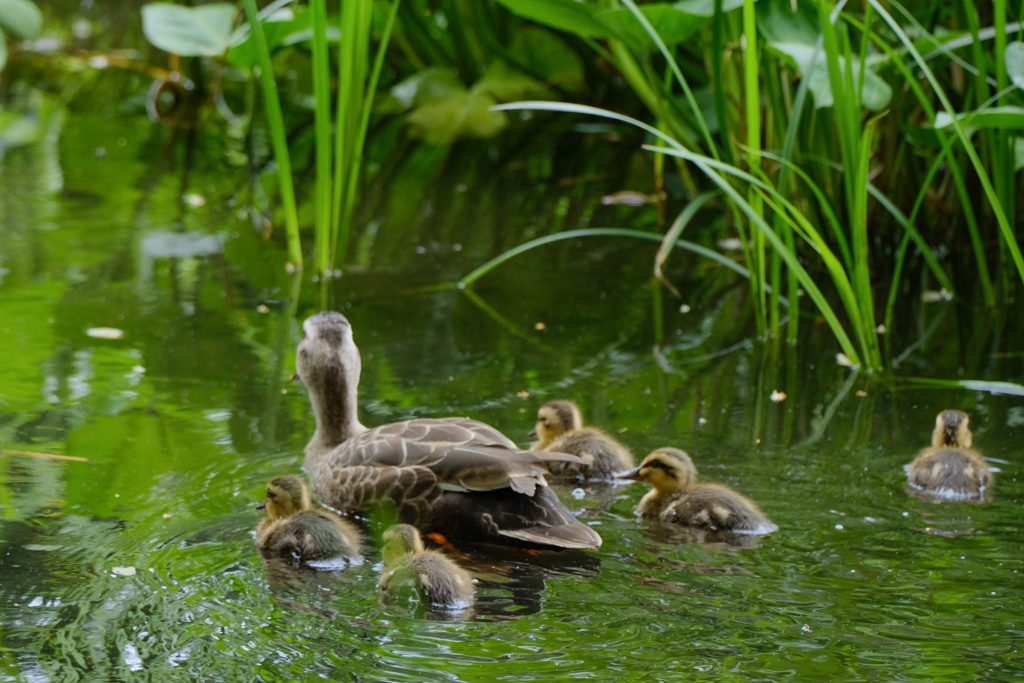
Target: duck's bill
{"type": "Point", "coordinates": [262, 507]}
{"type": "Point", "coordinates": [533, 435]}
{"type": "Point", "coordinates": [633, 474]}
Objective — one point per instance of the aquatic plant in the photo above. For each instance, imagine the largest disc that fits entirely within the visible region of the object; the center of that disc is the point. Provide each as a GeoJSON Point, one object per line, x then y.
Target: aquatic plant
{"type": "Point", "coordinates": [786, 168]}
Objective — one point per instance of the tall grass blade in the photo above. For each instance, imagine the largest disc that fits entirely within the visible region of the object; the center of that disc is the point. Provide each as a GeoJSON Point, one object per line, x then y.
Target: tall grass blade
{"type": "Point", "coordinates": [275, 120]}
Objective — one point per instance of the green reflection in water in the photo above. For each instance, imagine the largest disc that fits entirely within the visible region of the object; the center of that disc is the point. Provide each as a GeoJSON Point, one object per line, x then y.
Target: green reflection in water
{"type": "Point", "coordinates": [185, 417]}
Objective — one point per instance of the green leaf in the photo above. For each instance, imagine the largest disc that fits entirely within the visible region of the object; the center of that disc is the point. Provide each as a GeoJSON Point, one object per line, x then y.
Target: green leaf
{"type": "Point", "coordinates": [21, 17]}
{"type": "Point", "coordinates": [3, 51]}
{"type": "Point", "coordinates": [189, 31]}
{"type": "Point", "coordinates": [545, 55]}
{"type": "Point", "coordinates": [1015, 62]}
{"type": "Point", "coordinates": [672, 23]}
{"type": "Point", "coordinates": [459, 115]}
{"type": "Point", "coordinates": [280, 29]}
{"type": "Point", "coordinates": [564, 15]}
{"type": "Point", "coordinates": [1018, 154]}
{"type": "Point", "coordinates": [990, 117]}
{"type": "Point", "coordinates": [706, 8]}
{"type": "Point", "coordinates": [426, 86]}
{"type": "Point", "coordinates": [795, 35]}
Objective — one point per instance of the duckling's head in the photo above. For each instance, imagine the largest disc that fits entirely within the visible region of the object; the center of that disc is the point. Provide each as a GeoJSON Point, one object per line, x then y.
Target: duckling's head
{"type": "Point", "coordinates": [399, 540]}
{"type": "Point", "coordinates": [951, 430]}
{"type": "Point", "coordinates": [667, 470]}
{"type": "Point", "coordinates": [286, 495]}
{"type": "Point", "coordinates": [556, 418]}
{"type": "Point", "coordinates": [328, 363]}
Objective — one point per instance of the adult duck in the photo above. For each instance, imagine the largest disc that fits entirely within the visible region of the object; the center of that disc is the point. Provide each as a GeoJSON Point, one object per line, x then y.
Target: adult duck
{"type": "Point", "coordinates": [454, 476]}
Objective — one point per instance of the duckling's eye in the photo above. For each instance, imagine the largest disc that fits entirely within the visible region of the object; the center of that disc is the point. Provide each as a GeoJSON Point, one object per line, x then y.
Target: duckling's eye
{"type": "Point", "coordinates": [271, 494]}
{"type": "Point", "coordinates": [659, 464]}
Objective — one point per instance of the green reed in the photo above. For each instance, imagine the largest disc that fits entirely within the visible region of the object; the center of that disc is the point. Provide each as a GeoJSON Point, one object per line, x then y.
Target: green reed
{"type": "Point", "coordinates": [275, 122]}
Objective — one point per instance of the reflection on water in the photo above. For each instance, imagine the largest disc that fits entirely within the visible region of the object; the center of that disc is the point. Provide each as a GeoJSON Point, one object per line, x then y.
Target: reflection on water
{"type": "Point", "coordinates": [139, 563]}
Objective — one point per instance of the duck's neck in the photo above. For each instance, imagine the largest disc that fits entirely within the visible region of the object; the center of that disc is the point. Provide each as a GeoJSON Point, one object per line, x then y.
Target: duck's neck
{"type": "Point", "coordinates": [336, 409]}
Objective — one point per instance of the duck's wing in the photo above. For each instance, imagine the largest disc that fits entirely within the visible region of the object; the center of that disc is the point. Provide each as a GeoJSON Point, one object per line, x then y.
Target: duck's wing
{"type": "Point", "coordinates": [463, 454]}
{"type": "Point", "coordinates": [412, 490]}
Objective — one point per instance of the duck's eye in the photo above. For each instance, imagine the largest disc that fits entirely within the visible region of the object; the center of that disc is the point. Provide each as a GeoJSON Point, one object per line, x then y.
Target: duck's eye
{"type": "Point", "coordinates": [658, 464]}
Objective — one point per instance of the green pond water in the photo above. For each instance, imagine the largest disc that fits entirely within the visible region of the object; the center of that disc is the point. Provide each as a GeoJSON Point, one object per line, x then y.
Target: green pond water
{"type": "Point", "coordinates": [139, 563]}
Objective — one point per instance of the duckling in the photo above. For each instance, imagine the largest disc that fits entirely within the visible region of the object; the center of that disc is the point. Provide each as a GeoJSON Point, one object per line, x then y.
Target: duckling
{"type": "Point", "coordinates": [950, 468]}
{"type": "Point", "coordinates": [677, 498]}
{"type": "Point", "coordinates": [432, 574]}
{"type": "Point", "coordinates": [560, 429]}
{"type": "Point", "coordinates": [454, 476]}
{"type": "Point", "coordinates": [296, 529]}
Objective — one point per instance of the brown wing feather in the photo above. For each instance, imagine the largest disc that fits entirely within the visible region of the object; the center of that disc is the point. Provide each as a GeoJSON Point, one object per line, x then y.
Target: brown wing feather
{"type": "Point", "coordinates": [412, 490]}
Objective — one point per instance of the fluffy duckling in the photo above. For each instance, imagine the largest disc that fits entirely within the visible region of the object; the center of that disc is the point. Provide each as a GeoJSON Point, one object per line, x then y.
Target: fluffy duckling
{"type": "Point", "coordinates": [296, 529]}
{"type": "Point", "coordinates": [677, 498]}
{"type": "Point", "coordinates": [432, 574]}
{"type": "Point", "coordinates": [560, 429]}
{"type": "Point", "coordinates": [950, 468]}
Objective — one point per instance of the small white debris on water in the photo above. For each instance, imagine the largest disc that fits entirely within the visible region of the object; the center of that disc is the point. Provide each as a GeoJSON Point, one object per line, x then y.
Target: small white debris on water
{"type": "Point", "coordinates": [195, 200]}
{"type": "Point", "coordinates": [839, 526]}
{"type": "Point", "coordinates": [880, 329]}
{"type": "Point", "coordinates": [843, 359]}
{"type": "Point", "coordinates": [730, 244]}
{"type": "Point", "coordinates": [124, 571]}
{"type": "Point", "coordinates": [684, 308]}
{"type": "Point", "coordinates": [578, 494]}
{"type": "Point", "coordinates": [105, 332]}
{"type": "Point", "coordinates": [702, 421]}
{"type": "Point", "coordinates": [778, 396]}
{"type": "Point", "coordinates": [805, 628]}
{"type": "Point", "coordinates": [138, 369]}
{"type": "Point", "coordinates": [931, 296]}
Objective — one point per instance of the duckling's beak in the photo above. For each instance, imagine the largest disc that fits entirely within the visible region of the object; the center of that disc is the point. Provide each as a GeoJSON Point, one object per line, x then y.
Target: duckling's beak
{"type": "Point", "coordinates": [295, 378]}
{"type": "Point", "coordinates": [262, 507]}
{"type": "Point", "coordinates": [633, 474]}
{"type": "Point", "coordinates": [533, 435]}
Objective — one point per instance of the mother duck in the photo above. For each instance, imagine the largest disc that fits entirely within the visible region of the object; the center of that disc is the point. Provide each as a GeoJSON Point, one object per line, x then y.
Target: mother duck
{"type": "Point", "coordinates": [455, 476]}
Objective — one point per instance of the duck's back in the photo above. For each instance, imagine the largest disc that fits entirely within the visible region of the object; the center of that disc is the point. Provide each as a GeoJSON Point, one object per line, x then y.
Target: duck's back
{"type": "Point", "coordinates": [307, 536]}
{"type": "Point", "coordinates": [438, 579]}
{"type": "Point", "coordinates": [602, 455]}
{"type": "Point", "coordinates": [717, 507]}
{"type": "Point", "coordinates": [455, 476]}
{"type": "Point", "coordinates": [953, 473]}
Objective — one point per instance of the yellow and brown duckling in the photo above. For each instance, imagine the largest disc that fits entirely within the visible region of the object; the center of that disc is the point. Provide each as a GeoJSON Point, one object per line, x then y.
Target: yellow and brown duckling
{"type": "Point", "coordinates": [435, 577]}
{"type": "Point", "coordinates": [560, 429]}
{"type": "Point", "coordinates": [950, 468]}
{"type": "Point", "coordinates": [297, 530]}
{"type": "Point", "coordinates": [677, 498]}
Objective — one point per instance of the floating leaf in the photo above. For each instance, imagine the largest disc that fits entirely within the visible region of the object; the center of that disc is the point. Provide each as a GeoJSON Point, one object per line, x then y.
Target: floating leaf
{"type": "Point", "coordinates": [279, 28]}
{"type": "Point", "coordinates": [462, 115]}
{"type": "Point", "coordinates": [189, 31]}
{"type": "Point", "coordinates": [1015, 62]}
{"type": "Point", "coordinates": [21, 17]}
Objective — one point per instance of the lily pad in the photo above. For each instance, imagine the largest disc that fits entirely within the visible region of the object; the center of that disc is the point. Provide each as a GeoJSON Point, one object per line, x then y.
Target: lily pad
{"type": "Point", "coordinates": [189, 31]}
{"type": "Point", "coordinates": [21, 17]}
{"type": "Point", "coordinates": [460, 115]}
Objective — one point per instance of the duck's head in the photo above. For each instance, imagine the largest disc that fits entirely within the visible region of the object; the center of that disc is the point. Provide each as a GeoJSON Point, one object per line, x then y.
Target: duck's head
{"type": "Point", "coordinates": [951, 429]}
{"type": "Point", "coordinates": [328, 363]}
{"type": "Point", "coordinates": [399, 540]}
{"type": "Point", "coordinates": [556, 418]}
{"type": "Point", "coordinates": [286, 495]}
{"type": "Point", "coordinates": [667, 470]}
